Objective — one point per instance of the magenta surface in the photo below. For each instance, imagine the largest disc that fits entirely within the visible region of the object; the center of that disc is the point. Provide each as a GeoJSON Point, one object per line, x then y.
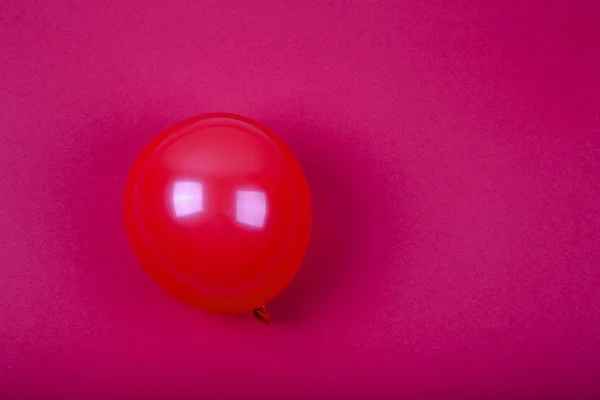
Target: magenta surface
{"type": "Point", "coordinates": [453, 151]}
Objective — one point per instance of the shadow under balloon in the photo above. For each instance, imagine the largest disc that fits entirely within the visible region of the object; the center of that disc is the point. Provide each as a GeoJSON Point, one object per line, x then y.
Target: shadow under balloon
{"type": "Point", "coordinates": [343, 182]}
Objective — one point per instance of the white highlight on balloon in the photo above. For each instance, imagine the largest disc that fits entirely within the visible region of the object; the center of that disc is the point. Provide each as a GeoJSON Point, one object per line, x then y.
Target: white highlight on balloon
{"type": "Point", "coordinates": [187, 198]}
{"type": "Point", "coordinates": [251, 208]}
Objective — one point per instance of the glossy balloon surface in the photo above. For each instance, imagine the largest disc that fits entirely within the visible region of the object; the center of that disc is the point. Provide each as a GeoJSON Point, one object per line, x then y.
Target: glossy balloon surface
{"type": "Point", "coordinates": [217, 210]}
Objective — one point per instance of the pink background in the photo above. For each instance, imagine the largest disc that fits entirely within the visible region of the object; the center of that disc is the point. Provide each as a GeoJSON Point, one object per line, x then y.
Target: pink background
{"type": "Point", "coordinates": [453, 150]}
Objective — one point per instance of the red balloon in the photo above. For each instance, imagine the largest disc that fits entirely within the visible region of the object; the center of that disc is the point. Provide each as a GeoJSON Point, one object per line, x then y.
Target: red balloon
{"type": "Point", "coordinates": [218, 212]}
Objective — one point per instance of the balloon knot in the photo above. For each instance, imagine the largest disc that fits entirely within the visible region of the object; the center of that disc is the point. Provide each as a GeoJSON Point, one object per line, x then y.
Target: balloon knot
{"type": "Point", "coordinates": [262, 314]}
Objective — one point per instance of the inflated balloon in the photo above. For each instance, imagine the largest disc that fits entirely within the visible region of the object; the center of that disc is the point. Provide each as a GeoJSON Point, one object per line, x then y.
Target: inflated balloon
{"type": "Point", "coordinates": [218, 212]}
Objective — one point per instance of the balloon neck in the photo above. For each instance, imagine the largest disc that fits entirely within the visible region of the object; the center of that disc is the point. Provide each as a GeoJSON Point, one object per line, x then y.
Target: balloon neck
{"type": "Point", "coordinates": [262, 314]}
